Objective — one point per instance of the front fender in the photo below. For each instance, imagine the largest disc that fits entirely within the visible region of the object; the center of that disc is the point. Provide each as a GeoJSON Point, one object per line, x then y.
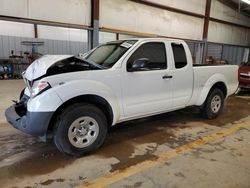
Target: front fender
{"type": "Point", "coordinates": [47, 101]}
{"type": "Point", "coordinates": [208, 85]}
{"type": "Point", "coordinates": [76, 88]}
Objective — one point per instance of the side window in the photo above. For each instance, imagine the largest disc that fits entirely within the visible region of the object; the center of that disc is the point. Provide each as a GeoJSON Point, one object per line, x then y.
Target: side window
{"type": "Point", "coordinates": [154, 52]}
{"type": "Point", "coordinates": [179, 55]}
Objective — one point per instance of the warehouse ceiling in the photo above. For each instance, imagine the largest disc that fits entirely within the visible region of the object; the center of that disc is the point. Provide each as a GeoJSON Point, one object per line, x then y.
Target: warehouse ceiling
{"type": "Point", "coordinates": [238, 5]}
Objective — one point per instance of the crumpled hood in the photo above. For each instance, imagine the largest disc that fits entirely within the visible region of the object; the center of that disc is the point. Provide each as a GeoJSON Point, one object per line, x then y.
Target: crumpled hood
{"type": "Point", "coordinates": [39, 67]}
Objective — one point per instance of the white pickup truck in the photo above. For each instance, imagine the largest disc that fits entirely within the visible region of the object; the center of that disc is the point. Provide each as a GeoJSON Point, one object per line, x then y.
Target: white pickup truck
{"type": "Point", "coordinates": [76, 99]}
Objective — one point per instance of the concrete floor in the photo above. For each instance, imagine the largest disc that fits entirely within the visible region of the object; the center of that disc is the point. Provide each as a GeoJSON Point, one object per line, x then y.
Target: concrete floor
{"type": "Point", "coordinates": [150, 152]}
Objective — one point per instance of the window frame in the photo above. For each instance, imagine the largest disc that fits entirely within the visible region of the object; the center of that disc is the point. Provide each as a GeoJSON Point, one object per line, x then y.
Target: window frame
{"type": "Point", "coordinates": [174, 43]}
{"type": "Point", "coordinates": [134, 51]}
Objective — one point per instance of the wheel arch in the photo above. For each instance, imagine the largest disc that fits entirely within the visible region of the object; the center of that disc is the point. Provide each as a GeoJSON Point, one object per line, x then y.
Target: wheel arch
{"type": "Point", "coordinates": [95, 100]}
{"type": "Point", "coordinates": [218, 85]}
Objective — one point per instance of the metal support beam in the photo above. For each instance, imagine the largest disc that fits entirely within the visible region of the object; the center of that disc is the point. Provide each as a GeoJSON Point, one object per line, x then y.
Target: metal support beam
{"type": "Point", "coordinates": [35, 31]}
{"type": "Point", "coordinates": [206, 19]}
{"type": "Point", "coordinates": [95, 5]}
{"type": "Point", "coordinates": [229, 23]}
{"type": "Point", "coordinates": [230, 4]}
{"type": "Point", "coordinates": [168, 8]}
{"type": "Point", "coordinates": [43, 22]}
{"type": "Point", "coordinates": [239, 6]}
{"type": "Point", "coordinates": [205, 28]}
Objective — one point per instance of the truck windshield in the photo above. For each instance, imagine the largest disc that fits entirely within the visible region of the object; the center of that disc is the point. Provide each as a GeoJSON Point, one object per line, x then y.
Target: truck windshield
{"type": "Point", "coordinates": [108, 54]}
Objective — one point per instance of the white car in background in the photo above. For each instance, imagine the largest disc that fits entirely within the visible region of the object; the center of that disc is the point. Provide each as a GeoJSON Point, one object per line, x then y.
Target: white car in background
{"type": "Point", "coordinates": [76, 99]}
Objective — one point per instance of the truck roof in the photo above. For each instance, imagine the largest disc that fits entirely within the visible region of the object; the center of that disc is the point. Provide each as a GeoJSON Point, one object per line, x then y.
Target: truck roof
{"type": "Point", "coordinates": [154, 38]}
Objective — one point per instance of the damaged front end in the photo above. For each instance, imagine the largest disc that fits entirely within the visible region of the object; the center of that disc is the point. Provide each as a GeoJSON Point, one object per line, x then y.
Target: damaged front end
{"type": "Point", "coordinates": [33, 123]}
{"type": "Point", "coordinates": [27, 115]}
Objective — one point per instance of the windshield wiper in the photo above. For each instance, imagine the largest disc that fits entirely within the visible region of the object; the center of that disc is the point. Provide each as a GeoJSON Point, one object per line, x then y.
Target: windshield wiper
{"type": "Point", "coordinates": [92, 63]}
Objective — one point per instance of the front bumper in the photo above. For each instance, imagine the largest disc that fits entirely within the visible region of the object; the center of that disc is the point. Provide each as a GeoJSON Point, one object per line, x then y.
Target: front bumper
{"type": "Point", "coordinates": [33, 123]}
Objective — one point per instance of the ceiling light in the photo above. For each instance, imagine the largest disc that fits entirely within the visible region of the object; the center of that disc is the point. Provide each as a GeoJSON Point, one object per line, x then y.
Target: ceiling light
{"type": "Point", "coordinates": [246, 1]}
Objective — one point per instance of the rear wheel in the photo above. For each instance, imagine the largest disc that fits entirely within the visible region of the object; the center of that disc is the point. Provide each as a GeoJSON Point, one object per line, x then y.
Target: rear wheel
{"type": "Point", "coordinates": [214, 104]}
{"type": "Point", "coordinates": [80, 129]}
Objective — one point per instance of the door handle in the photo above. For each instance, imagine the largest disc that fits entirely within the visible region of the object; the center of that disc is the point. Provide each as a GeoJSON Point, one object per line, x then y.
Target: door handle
{"type": "Point", "coordinates": [167, 77]}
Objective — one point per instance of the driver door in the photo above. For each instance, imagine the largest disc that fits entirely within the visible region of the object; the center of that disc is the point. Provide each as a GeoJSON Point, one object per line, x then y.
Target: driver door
{"type": "Point", "coordinates": [147, 90]}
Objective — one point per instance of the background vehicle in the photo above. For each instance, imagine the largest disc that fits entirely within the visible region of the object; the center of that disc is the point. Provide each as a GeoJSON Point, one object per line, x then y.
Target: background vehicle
{"type": "Point", "coordinates": [244, 75]}
{"type": "Point", "coordinates": [76, 100]}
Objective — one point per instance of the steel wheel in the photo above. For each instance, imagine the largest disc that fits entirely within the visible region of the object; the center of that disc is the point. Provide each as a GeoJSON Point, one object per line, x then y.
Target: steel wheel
{"type": "Point", "coordinates": [83, 132]}
{"type": "Point", "coordinates": [216, 103]}
{"type": "Point", "coordinates": [80, 128]}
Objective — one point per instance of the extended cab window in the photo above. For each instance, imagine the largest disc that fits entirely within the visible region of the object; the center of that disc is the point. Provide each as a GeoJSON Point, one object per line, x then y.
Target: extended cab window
{"type": "Point", "coordinates": [153, 52]}
{"type": "Point", "coordinates": [179, 55]}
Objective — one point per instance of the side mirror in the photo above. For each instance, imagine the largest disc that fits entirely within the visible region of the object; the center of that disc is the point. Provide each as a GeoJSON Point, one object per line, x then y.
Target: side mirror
{"type": "Point", "coordinates": [139, 65]}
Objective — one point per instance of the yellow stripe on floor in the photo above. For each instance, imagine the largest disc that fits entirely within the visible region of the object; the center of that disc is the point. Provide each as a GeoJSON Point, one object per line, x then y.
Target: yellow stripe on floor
{"type": "Point", "coordinates": [116, 176]}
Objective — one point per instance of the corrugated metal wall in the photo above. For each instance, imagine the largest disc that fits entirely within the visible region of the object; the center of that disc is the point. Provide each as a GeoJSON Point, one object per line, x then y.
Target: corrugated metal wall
{"type": "Point", "coordinates": [196, 48]}
{"type": "Point", "coordinates": [191, 46]}
{"type": "Point", "coordinates": [56, 40]}
{"type": "Point", "coordinates": [233, 54]}
{"type": "Point", "coordinates": [8, 43]}
{"type": "Point", "coordinates": [230, 54]}
{"type": "Point", "coordinates": [214, 50]}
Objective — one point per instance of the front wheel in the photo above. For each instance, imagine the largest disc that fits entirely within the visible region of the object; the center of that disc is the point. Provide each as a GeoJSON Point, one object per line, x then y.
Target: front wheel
{"type": "Point", "coordinates": [214, 104]}
{"type": "Point", "coordinates": [80, 129]}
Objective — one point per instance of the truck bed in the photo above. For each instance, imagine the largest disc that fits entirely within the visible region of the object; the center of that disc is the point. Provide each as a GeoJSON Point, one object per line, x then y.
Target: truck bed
{"type": "Point", "coordinates": [204, 75]}
{"type": "Point", "coordinates": [208, 65]}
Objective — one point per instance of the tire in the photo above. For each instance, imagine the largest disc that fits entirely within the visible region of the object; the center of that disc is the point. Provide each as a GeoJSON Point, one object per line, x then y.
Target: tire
{"type": "Point", "coordinates": [79, 129]}
{"type": "Point", "coordinates": [214, 104]}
